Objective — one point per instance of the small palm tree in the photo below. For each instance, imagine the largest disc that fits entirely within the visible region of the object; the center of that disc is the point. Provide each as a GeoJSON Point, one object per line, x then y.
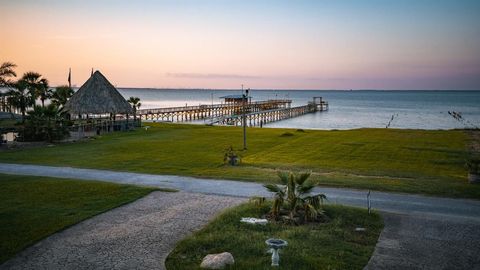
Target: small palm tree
{"type": "Point", "coordinates": [20, 97]}
{"type": "Point", "coordinates": [135, 101]}
{"type": "Point", "coordinates": [293, 198]}
{"type": "Point", "coordinates": [6, 72]}
{"type": "Point", "coordinates": [61, 95]}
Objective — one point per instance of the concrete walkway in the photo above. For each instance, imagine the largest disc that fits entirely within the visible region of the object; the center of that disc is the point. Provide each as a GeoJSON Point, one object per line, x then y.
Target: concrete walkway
{"type": "Point", "coordinates": [139, 235]}
{"type": "Point", "coordinates": [420, 232]}
{"type": "Point", "coordinates": [427, 242]}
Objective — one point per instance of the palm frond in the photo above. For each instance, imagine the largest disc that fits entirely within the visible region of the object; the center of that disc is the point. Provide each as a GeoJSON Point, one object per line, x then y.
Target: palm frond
{"type": "Point", "coordinates": [283, 176]}
{"type": "Point", "coordinates": [316, 199]}
{"type": "Point", "coordinates": [300, 179]}
{"type": "Point", "coordinates": [272, 188]}
{"type": "Point", "coordinates": [310, 211]}
{"type": "Point", "coordinates": [6, 70]}
{"type": "Point", "coordinates": [305, 188]}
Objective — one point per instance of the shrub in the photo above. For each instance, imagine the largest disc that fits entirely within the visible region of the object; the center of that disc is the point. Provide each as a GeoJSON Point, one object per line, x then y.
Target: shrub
{"type": "Point", "coordinates": [230, 157]}
{"type": "Point", "coordinates": [45, 124]}
{"type": "Point", "coordinates": [292, 202]}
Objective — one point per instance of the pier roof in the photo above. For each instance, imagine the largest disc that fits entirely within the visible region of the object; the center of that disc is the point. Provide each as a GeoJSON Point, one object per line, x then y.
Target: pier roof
{"type": "Point", "coordinates": [234, 97]}
{"type": "Point", "coordinates": [97, 96]}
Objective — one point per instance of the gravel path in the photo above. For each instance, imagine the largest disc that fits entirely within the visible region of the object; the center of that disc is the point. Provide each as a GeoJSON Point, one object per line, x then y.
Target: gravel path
{"type": "Point", "coordinates": [139, 235]}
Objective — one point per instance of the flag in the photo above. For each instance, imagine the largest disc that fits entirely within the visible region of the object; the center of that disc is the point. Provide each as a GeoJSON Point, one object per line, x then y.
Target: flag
{"type": "Point", "coordinates": [70, 77]}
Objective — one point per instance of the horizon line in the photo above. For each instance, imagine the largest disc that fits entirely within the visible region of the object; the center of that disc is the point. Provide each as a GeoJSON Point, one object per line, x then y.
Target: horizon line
{"type": "Point", "coordinates": [283, 89]}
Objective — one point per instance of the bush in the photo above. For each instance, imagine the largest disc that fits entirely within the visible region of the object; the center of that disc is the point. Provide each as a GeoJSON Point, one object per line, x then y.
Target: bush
{"type": "Point", "coordinates": [293, 203]}
{"type": "Point", "coordinates": [230, 157]}
{"type": "Point", "coordinates": [44, 124]}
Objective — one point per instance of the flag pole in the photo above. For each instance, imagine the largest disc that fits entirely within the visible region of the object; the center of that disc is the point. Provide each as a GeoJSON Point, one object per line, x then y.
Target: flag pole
{"type": "Point", "coordinates": [70, 77]}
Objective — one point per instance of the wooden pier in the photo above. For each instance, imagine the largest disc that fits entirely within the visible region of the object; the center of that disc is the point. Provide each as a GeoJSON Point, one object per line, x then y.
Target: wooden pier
{"type": "Point", "coordinates": [259, 118]}
{"type": "Point", "coordinates": [191, 113]}
{"type": "Point", "coordinates": [256, 113]}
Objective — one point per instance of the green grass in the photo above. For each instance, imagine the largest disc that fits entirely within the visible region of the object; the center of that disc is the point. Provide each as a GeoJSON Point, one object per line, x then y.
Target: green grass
{"type": "Point", "coordinates": [414, 161]}
{"type": "Point", "coordinates": [331, 245]}
{"type": "Point", "coordinates": [32, 208]}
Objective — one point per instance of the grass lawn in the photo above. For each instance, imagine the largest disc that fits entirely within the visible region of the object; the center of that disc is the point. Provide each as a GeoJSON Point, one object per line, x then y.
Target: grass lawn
{"type": "Point", "coordinates": [32, 208]}
{"type": "Point", "coordinates": [331, 245]}
{"type": "Point", "coordinates": [414, 161]}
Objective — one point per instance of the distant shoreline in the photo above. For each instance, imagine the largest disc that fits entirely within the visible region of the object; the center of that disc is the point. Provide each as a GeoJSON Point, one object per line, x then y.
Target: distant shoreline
{"type": "Point", "coordinates": [340, 90]}
{"type": "Point", "coordinates": [4, 89]}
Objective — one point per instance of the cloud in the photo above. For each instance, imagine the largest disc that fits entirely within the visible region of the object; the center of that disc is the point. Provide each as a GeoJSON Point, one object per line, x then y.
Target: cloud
{"type": "Point", "coordinates": [83, 37]}
{"type": "Point", "coordinates": [211, 76]}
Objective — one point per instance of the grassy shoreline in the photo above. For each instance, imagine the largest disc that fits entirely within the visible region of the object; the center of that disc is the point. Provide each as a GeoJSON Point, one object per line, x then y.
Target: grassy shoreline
{"type": "Point", "coordinates": [413, 161]}
{"type": "Point", "coordinates": [33, 208]}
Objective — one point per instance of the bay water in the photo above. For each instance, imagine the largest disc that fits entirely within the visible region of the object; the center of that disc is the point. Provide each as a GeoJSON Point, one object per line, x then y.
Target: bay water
{"type": "Point", "coordinates": [347, 109]}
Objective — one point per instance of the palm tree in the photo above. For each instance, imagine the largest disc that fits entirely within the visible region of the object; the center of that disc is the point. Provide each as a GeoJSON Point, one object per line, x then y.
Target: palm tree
{"type": "Point", "coordinates": [6, 71]}
{"type": "Point", "coordinates": [20, 97]}
{"type": "Point", "coordinates": [44, 91]}
{"type": "Point", "coordinates": [293, 197]}
{"type": "Point", "coordinates": [135, 101]}
{"type": "Point", "coordinates": [34, 83]}
{"type": "Point", "coordinates": [61, 95]}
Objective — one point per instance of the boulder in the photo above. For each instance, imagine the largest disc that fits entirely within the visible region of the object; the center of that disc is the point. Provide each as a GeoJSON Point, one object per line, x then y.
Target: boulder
{"type": "Point", "coordinates": [217, 261]}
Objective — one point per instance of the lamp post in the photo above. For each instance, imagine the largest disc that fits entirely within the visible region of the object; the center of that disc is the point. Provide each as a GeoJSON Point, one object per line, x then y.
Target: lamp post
{"type": "Point", "coordinates": [244, 99]}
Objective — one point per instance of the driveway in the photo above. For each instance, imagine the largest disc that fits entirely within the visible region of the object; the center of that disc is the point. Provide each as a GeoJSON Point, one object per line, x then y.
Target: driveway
{"type": "Point", "coordinates": [139, 235]}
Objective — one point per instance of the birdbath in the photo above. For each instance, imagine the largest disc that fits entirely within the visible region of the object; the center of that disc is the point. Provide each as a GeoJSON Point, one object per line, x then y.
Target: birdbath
{"type": "Point", "coordinates": [275, 245]}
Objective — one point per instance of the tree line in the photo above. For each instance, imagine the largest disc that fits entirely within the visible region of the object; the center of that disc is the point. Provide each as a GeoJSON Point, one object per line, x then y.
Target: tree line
{"type": "Point", "coordinates": [32, 86]}
{"type": "Point", "coordinates": [40, 122]}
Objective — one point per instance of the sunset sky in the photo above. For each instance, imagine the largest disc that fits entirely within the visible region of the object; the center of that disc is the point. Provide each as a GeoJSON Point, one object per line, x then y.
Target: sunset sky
{"type": "Point", "coordinates": [262, 44]}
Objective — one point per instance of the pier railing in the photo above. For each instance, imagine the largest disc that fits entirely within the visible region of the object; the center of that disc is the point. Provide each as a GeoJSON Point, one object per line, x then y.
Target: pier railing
{"type": "Point", "coordinates": [211, 106]}
{"type": "Point", "coordinates": [257, 113]}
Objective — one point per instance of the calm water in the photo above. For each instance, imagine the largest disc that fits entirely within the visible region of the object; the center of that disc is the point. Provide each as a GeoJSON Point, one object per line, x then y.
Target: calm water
{"type": "Point", "coordinates": [348, 109]}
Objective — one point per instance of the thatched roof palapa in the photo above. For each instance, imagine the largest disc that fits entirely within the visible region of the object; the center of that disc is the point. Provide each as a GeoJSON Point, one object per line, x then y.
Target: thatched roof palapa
{"type": "Point", "coordinates": [98, 96]}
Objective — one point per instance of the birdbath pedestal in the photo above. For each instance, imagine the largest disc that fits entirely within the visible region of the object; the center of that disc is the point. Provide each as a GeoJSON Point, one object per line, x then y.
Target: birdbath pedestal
{"type": "Point", "coordinates": [275, 245]}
